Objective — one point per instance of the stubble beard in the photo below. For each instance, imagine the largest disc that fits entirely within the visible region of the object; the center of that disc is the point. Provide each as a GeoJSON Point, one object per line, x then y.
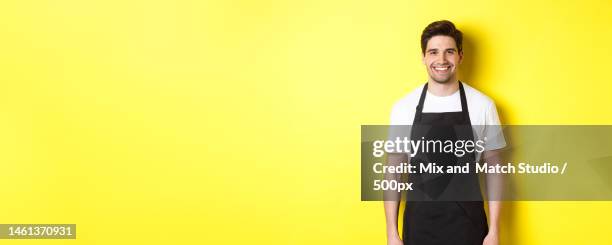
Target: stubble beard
{"type": "Point", "coordinates": [443, 80]}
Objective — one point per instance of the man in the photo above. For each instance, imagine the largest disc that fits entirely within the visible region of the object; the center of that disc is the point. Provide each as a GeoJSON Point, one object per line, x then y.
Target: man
{"type": "Point", "coordinates": [443, 103]}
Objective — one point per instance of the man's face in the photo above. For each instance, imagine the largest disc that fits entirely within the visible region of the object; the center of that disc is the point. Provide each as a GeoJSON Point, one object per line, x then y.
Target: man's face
{"type": "Point", "coordinates": [442, 58]}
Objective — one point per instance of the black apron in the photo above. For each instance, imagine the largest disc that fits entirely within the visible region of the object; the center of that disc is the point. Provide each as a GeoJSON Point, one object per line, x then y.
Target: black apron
{"type": "Point", "coordinates": [444, 208]}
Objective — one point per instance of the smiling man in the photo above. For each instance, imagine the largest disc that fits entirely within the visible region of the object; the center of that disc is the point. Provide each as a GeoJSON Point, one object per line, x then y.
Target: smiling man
{"type": "Point", "coordinates": [439, 106]}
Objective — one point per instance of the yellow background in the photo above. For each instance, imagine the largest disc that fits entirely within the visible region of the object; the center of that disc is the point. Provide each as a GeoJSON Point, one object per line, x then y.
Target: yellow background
{"type": "Point", "coordinates": [238, 122]}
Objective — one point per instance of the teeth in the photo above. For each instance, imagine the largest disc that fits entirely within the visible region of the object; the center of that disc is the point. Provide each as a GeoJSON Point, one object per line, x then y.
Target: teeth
{"type": "Point", "coordinates": [440, 68]}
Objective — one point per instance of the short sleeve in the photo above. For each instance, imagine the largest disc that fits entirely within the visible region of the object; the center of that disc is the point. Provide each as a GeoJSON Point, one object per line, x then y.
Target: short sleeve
{"type": "Point", "coordinates": [493, 130]}
{"type": "Point", "coordinates": [397, 125]}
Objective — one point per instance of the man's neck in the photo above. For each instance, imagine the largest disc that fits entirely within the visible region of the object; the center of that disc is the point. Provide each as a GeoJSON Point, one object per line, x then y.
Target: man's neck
{"type": "Point", "coordinates": [443, 89]}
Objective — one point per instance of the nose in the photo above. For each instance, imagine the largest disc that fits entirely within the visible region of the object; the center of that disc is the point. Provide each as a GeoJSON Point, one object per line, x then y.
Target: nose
{"type": "Point", "coordinates": [442, 58]}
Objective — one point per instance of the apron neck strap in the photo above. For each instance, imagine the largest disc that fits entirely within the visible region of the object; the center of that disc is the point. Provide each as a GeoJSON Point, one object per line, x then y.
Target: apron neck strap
{"type": "Point", "coordinates": [464, 107]}
{"type": "Point", "coordinates": [419, 108]}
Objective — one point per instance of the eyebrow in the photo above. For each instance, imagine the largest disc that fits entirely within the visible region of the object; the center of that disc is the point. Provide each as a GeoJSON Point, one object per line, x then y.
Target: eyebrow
{"type": "Point", "coordinates": [435, 49]}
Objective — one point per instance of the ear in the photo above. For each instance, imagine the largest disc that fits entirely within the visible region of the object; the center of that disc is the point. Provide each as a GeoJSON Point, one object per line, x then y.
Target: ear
{"type": "Point", "coordinates": [423, 59]}
{"type": "Point", "coordinates": [460, 56]}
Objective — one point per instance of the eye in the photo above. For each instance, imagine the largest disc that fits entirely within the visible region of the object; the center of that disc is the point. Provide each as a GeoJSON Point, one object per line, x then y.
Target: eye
{"type": "Point", "coordinates": [433, 52]}
{"type": "Point", "coordinates": [450, 51]}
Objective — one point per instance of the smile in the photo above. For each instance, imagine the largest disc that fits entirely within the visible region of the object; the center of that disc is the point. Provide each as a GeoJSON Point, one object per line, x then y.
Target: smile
{"type": "Point", "coordinates": [441, 68]}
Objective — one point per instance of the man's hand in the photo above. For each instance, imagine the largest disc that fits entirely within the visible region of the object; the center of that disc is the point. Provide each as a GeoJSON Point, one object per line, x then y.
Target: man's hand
{"type": "Point", "coordinates": [491, 239]}
{"type": "Point", "coordinates": [394, 241]}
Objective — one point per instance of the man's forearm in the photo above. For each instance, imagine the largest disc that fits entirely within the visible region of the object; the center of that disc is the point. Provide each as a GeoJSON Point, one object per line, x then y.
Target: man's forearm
{"type": "Point", "coordinates": [494, 209]}
{"type": "Point", "coordinates": [392, 198]}
{"type": "Point", "coordinates": [391, 211]}
{"type": "Point", "coordinates": [494, 182]}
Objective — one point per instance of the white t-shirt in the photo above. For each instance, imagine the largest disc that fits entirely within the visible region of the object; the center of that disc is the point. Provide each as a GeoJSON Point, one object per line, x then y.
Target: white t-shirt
{"type": "Point", "coordinates": [483, 113]}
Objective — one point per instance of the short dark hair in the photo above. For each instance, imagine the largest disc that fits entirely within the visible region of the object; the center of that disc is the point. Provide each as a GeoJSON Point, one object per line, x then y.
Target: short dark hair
{"type": "Point", "coordinates": [441, 28]}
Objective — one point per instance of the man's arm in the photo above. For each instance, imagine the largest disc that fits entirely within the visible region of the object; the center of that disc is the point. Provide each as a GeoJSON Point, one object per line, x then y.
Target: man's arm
{"type": "Point", "coordinates": [392, 199]}
{"type": "Point", "coordinates": [494, 183]}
